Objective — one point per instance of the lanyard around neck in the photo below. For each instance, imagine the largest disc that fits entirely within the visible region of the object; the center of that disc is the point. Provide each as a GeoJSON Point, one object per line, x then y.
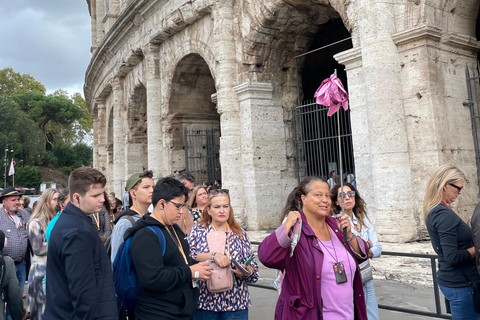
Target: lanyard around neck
{"type": "Point", "coordinates": [177, 242]}
{"type": "Point", "coordinates": [19, 225]}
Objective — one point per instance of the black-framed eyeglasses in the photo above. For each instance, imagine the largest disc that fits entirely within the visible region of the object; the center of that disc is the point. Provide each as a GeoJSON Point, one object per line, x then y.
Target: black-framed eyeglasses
{"type": "Point", "coordinates": [179, 206]}
{"type": "Point", "coordinates": [456, 187]}
{"type": "Point", "coordinates": [351, 194]}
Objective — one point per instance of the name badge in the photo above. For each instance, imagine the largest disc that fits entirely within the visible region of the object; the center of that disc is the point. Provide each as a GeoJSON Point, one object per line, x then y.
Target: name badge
{"type": "Point", "coordinates": [8, 230]}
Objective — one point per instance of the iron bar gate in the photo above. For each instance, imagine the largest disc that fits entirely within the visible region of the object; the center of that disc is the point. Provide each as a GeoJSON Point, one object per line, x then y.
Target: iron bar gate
{"type": "Point", "coordinates": [201, 158]}
{"type": "Point", "coordinates": [315, 137]}
{"type": "Point", "coordinates": [473, 102]}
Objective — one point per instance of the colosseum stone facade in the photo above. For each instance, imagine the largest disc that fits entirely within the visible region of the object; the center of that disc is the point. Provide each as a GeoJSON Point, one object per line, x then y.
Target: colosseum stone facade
{"type": "Point", "coordinates": [240, 68]}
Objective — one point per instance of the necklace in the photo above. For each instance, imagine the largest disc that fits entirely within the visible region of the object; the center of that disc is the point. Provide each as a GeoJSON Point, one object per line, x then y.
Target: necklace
{"type": "Point", "coordinates": [177, 242]}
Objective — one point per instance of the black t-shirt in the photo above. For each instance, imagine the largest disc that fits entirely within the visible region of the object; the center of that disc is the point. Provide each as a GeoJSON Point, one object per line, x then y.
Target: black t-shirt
{"type": "Point", "coordinates": [451, 237]}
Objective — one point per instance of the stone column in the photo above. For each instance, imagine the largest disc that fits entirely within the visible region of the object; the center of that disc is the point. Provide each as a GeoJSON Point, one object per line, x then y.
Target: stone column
{"type": "Point", "coordinates": [119, 134]}
{"type": "Point", "coordinates": [263, 153]}
{"type": "Point", "coordinates": [228, 107]}
{"type": "Point", "coordinates": [154, 111]}
{"type": "Point", "coordinates": [133, 158]}
{"type": "Point", "coordinates": [101, 133]}
{"type": "Point", "coordinates": [387, 169]}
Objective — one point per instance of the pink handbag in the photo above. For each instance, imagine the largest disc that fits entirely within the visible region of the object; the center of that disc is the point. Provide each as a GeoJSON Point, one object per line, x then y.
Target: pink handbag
{"type": "Point", "coordinates": [221, 279]}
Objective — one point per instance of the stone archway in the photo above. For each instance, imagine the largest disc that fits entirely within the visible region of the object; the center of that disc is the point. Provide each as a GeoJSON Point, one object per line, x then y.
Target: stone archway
{"type": "Point", "coordinates": [191, 107]}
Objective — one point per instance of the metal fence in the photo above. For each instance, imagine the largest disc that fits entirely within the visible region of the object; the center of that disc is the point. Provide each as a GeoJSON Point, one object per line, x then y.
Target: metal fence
{"type": "Point", "coordinates": [472, 75]}
{"type": "Point", "coordinates": [315, 137]}
{"type": "Point", "coordinates": [438, 307]}
{"type": "Point", "coordinates": [201, 158]}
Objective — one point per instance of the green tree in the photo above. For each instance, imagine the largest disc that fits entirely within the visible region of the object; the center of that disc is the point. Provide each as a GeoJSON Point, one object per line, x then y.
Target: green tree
{"type": "Point", "coordinates": [84, 154]}
{"type": "Point", "coordinates": [28, 177]}
{"type": "Point", "coordinates": [48, 109]}
{"type": "Point", "coordinates": [12, 83]}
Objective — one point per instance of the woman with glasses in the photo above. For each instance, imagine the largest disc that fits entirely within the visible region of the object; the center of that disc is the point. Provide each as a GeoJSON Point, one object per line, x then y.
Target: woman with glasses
{"type": "Point", "coordinates": [218, 217]}
{"type": "Point", "coordinates": [321, 278]}
{"type": "Point", "coordinates": [36, 227]}
{"type": "Point", "coordinates": [361, 227]}
{"type": "Point", "coordinates": [452, 240]}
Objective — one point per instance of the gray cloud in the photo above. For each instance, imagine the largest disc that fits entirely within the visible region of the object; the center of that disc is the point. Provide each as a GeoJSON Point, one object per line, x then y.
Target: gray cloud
{"type": "Point", "coordinates": [49, 39]}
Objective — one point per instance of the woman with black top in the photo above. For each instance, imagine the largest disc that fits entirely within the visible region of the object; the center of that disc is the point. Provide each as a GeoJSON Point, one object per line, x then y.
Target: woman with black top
{"type": "Point", "coordinates": [452, 240]}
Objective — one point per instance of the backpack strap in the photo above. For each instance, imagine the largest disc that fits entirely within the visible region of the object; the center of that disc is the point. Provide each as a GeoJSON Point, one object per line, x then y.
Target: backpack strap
{"type": "Point", "coordinates": [161, 237]}
{"type": "Point", "coordinates": [129, 218]}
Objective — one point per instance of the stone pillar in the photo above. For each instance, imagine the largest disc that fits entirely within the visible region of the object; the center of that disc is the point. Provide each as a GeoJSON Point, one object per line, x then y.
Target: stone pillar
{"type": "Point", "coordinates": [263, 153]}
{"type": "Point", "coordinates": [154, 111]}
{"type": "Point", "coordinates": [99, 24]}
{"type": "Point", "coordinates": [228, 107]}
{"type": "Point", "coordinates": [387, 169]}
{"type": "Point", "coordinates": [101, 133]}
{"type": "Point", "coordinates": [439, 127]}
{"type": "Point", "coordinates": [119, 134]}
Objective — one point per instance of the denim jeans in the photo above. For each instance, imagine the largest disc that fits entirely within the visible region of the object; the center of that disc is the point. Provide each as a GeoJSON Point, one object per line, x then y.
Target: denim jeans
{"type": "Point", "coordinates": [21, 275]}
{"type": "Point", "coordinates": [370, 301]}
{"type": "Point", "coordinates": [461, 302]}
{"type": "Point", "coordinates": [221, 315]}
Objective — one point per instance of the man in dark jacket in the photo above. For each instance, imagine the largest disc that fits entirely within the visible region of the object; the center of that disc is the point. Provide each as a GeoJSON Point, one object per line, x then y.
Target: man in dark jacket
{"type": "Point", "coordinates": [79, 272]}
{"type": "Point", "coordinates": [166, 289]}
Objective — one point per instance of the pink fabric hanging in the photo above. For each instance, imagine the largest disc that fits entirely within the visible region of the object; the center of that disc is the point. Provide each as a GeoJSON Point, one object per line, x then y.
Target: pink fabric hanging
{"type": "Point", "coordinates": [331, 94]}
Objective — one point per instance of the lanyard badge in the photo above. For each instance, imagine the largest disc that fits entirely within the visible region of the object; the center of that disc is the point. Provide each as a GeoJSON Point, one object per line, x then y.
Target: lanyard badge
{"type": "Point", "coordinates": [340, 275]}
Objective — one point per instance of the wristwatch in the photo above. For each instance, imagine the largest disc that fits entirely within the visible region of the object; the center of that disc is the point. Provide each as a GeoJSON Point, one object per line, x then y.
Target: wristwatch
{"type": "Point", "coordinates": [213, 255]}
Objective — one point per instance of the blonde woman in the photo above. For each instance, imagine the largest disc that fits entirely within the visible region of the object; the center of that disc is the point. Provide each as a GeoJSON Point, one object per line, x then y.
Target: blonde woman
{"type": "Point", "coordinates": [452, 240]}
{"type": "Point", "coordinates": [196, 203]}
{"type": "Point", "coordinates": [218, 217]}
{"type": "Point", "coordinates": [42, 215]}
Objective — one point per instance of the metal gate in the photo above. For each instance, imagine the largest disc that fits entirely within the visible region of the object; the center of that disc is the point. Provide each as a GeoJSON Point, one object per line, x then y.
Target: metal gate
{"type": "Point", "coordinates": [473, 78]}
{"type": "Point", "coordinates": [201, 158]}
{"type": "Point", "coordinates": [315, 137]}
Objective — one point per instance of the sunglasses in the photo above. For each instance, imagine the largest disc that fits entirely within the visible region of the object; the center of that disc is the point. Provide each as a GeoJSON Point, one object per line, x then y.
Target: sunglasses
{"type": "Point", "coordinates": [456, 187]}
{"type": "Point", "coordinates": [215, 192]}
{"type": "Point", "coordinates": [179, 206]}
{"type": "Point", "coordinates": [351, 194]}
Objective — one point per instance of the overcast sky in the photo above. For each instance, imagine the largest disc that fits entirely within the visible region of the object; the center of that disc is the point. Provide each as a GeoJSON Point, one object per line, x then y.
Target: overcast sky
{"type": "Point", "coordinates": [49, 39]}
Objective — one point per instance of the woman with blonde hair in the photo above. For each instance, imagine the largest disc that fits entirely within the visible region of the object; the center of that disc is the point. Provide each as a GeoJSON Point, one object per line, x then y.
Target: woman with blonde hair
{"type": "Point", "coordinates": [196, 203]}
{"type": "Point", "coordinates": [452, 240]}
{"type": "Point", "coordinates": [42, 215]}
{"type": "Point", "coordinates": [217, 217]}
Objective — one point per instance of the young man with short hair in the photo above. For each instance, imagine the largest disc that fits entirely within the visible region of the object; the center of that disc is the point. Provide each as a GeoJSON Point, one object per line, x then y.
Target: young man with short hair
{"type": "Point", "coordinates": [188, 180]}
{"type": "Point", "coordinates": [140, 187]}
{"type": "Point", "coordinates": [166, 289]}
{"type": "Point", "coordinates": [79, 272]}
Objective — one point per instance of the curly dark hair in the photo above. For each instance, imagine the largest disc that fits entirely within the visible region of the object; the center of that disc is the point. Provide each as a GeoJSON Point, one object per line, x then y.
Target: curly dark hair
{"type": "Point", "coordinates": [359, 208]}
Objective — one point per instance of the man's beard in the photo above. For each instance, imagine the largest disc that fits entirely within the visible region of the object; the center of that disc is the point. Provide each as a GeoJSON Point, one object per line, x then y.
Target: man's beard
{"type": "Point", "coordinates": [13, 208]}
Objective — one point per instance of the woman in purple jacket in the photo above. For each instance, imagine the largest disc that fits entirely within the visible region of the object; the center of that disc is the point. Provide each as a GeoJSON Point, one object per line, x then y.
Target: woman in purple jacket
{"type": "Point", "coordinates": [322, 278]}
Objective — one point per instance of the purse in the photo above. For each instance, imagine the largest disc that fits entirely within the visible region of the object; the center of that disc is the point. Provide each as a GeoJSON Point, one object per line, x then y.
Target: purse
{"type": "Point", "coordinates": [366, 270]}
{"type": "Point", "coordinates": [221, 279]}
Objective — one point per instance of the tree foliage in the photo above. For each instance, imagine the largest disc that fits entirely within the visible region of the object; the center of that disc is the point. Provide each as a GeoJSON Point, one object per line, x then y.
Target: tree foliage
{"type": "Point", "coordinates": [51, 130]}
{"type": "Point", "coordinates": [27, 176]}
{"type": "Point", "coordinates": [12, 83]}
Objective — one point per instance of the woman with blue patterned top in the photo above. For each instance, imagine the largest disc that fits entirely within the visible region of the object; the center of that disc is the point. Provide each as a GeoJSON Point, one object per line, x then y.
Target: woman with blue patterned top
{"type": "Point", "coordinates": [218, 216]}
{"type": "Point", "coordinates": [361, 226]}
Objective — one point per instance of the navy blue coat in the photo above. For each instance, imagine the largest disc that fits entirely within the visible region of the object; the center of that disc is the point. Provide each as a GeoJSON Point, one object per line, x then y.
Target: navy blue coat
{"type": "Point", "coordinates": [79, 272]}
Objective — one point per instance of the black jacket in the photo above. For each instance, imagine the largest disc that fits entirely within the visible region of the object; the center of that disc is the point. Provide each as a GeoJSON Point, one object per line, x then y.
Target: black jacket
{"type": "Point", "coordinates": [79, 272]}
{"type": "Point", "coordinates": [165, 283]}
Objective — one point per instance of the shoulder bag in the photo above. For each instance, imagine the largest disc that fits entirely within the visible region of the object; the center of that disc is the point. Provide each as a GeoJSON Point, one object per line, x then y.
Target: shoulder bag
{"type": "Point", "coordinates": [221, 279]}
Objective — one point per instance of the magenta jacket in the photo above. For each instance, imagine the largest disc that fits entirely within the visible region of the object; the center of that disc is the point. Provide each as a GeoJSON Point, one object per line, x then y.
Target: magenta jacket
{"type": "Point", "coordinates": [301, 297]}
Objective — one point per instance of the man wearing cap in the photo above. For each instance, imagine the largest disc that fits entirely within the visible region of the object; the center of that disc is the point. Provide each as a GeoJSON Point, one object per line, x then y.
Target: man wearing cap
{"type": "Point", "coordinates": [140, 188]}
{"type": "Point", "coordinates": [13, 222]}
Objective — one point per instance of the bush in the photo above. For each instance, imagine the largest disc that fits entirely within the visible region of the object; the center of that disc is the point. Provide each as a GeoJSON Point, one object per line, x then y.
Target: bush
{"type": "Point", "coordinates": [28, 177]}
{"type": "Point", "coordinates": [67, 170]}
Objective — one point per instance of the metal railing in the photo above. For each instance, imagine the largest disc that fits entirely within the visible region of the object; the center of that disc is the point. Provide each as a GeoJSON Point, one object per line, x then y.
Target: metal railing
{"type": "Point", "coordinates": [438, 308]}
